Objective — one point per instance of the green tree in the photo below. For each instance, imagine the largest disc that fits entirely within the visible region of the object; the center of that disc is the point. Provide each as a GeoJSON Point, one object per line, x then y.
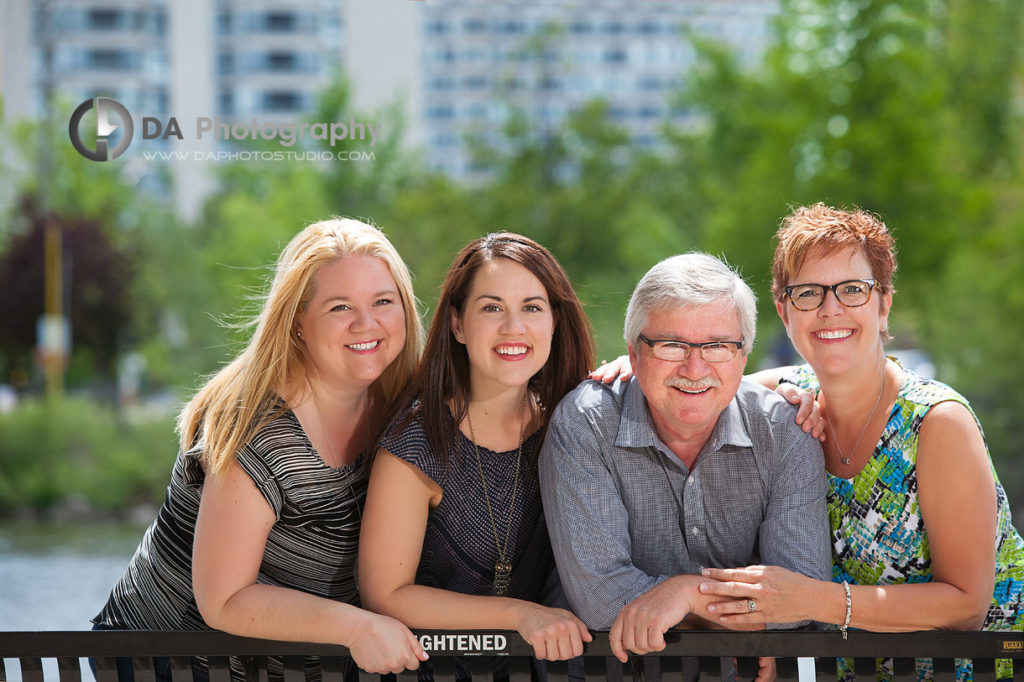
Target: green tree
{"type": "Point", "coordinates": [908, 110]}
{"type": "Point", "coordinates": [848, 108]}
{"type": "Point", "coordinates": [97, 299]}
{"type": "Point", "coordinates": [581, 191]}
{"type": "Point", "coordinates": [102, 221]}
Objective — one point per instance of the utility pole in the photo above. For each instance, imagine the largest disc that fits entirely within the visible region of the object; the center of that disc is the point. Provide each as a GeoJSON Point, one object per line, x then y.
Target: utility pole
{"type": "Point", "coordinates": [53, 327]}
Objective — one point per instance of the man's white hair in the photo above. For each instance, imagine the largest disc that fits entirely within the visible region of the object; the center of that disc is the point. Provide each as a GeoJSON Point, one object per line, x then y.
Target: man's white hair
{"type": "Point", "coordinates": [690, 279]}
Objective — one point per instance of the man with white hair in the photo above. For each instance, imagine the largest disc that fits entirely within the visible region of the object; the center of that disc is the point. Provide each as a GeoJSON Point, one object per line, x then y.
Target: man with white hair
{"type": "Point", "coordinates": [686, 466]}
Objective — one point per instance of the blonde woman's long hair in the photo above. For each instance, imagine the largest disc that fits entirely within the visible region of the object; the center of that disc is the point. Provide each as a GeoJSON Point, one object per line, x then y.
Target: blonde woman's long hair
{"type": "Point", "coordinates": [243, 396]}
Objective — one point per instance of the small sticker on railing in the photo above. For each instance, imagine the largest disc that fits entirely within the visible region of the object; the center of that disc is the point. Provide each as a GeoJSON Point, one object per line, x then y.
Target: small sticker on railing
{"type": "Point", "coordinates": [465, 643]}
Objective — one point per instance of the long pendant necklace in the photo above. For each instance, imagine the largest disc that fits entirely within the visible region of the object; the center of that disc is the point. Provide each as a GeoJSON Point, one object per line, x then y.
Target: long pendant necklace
{"type": "Point", "coordinates": [842, 457]}
{"type": "Point", "coordinates": [503, 567]}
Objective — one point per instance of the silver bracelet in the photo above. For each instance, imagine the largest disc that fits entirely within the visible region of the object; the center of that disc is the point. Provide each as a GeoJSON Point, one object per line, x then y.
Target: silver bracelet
{"type": "Point", "coordinates": [849, 609]}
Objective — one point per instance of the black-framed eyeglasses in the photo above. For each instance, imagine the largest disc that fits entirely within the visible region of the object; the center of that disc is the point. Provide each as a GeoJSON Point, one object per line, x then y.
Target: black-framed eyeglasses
{"type": "Point", "coordinates": [851, 293]}
{"type": "Point", "coordinates": [673, 350]}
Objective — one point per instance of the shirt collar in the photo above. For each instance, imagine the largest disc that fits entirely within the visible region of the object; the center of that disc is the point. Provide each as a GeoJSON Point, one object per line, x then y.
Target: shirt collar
{"type": "Point", "coordinates": [636, 428]}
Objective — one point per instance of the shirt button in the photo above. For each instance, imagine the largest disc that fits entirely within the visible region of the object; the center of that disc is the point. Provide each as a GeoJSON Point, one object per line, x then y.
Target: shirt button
{"type": "Point", "coordinates": [695, 530]}
{"type": "Point", "coordinates": [690, 481]}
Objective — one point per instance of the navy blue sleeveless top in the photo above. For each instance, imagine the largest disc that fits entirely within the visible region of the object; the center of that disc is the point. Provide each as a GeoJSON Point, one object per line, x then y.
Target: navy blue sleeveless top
{"type": "Point", "coordinates": [459, 549]}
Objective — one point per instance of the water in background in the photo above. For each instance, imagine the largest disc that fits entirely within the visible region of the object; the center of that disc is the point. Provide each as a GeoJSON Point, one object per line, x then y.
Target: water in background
{"type": "Point", "coordinates": [57, 577]}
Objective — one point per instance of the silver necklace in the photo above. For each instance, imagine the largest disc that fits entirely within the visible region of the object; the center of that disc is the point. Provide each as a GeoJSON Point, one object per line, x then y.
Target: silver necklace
{"type": "Point", "coordinates": [842, 457]}
{"type": "Point", "coordinates": [502, 568]}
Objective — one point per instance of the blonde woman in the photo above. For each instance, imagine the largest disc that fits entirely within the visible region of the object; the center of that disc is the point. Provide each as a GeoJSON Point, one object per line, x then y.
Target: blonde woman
{"type": "Point", "coordinates": [259, 531]}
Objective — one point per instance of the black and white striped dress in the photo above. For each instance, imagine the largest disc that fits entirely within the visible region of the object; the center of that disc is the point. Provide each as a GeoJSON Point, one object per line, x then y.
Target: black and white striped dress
{"type": "Point", "coordinates": [311, 547]}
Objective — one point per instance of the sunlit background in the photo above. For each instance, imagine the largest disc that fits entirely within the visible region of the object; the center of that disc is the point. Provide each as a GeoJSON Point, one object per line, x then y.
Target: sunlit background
{"type": "Point", "coordinates": [615, 132]}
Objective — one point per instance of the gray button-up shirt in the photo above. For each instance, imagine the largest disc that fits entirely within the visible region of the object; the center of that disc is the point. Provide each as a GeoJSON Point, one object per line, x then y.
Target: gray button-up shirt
{"type": "Point", "coordinates": [625, 514]}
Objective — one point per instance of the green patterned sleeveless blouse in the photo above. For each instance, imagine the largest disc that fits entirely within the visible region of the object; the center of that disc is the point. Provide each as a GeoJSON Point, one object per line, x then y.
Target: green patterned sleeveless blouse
{"type": "Point", "coordinates": [878, 535]}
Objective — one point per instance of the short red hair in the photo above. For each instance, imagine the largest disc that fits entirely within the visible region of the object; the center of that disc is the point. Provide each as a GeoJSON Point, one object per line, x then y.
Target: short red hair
{"type": "Point", "coordinates": [823, 230]}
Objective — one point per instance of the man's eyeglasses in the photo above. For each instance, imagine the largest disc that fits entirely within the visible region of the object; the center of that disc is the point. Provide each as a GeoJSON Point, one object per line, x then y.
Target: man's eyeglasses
{"type": "Point", "coordinates": [851, 293]}
{"type": "Point", "coordinates": [679, 351]}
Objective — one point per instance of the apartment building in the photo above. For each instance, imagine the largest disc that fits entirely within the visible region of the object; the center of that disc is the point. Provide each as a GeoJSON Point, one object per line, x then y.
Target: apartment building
{"type": "Point", "coordinates": [458, 67]}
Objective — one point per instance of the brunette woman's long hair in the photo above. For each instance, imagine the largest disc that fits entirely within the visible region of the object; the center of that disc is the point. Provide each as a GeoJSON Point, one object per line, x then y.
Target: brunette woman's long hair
{"type": "Point", "coordinates": [442, 377]}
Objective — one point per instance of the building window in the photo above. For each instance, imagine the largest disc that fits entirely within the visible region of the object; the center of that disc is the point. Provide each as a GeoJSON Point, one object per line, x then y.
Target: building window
{"type": "Point", "coordinates": [281, 22]}
{"type": "Point", "coordinates": [159, 21]}
{"type": "Point", "coordinates": [473, 55]}
{"type": "Point", "coordinates": [282, 61]}
{"type": "Point", "coordinates": [513, 83]}
{"type": "Point", "coordinates": [512, 26]}
{"type": "Point", "coordinates": [441, 113]}
{"type": "Point", "coordinates": [226, 102]}
{"type": "Point", "coordinates": [282, 100]}
{"type": "Point", "coordinates": [615, 57]}
{"type": "Point", "coordinates": [225, 63]}
{"type": "Point", "coordinates": [104, 19]}
{"type": "Point", "coordinates": [476, 112]}
{"type": "Point", "coordinates": [650, 83]}
{"type": "Point", "coordinates": [446, 55]}
{"type": "Point", "coordinates": [438, 28]}
{"type": "Point", "coordinates": [111, 60]}
{"type": "Point", "coordinates": [163, 100]}
{"type": "Point", "coordinates": [680, 111]}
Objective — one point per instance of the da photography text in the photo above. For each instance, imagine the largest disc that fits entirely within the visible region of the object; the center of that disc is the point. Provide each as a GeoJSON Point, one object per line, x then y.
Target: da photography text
{"type": "Point", "coordinates": [114, 128]}
{"type": "Point", "coordinates": [287, 134]}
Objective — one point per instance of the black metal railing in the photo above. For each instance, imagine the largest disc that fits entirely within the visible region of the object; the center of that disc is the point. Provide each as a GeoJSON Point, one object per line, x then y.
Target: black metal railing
{"type": "Point", "coordinates": [477, 651]}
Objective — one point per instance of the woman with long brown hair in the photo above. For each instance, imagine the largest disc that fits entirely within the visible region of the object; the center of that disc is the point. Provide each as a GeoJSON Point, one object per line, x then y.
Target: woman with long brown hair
{"type": "Point", "coordinates": [454, 534]}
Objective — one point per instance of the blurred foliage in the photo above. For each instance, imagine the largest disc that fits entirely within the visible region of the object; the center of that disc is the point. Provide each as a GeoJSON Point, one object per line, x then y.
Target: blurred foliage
{"type": "Point", "coordinates": [51, 448]}
{"type": "Point", "coordinates": [910, 110]}
{"type": "Point", "coordinates": [580, 191]}
{"type": "Point", "coordinates": [99, 306]}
